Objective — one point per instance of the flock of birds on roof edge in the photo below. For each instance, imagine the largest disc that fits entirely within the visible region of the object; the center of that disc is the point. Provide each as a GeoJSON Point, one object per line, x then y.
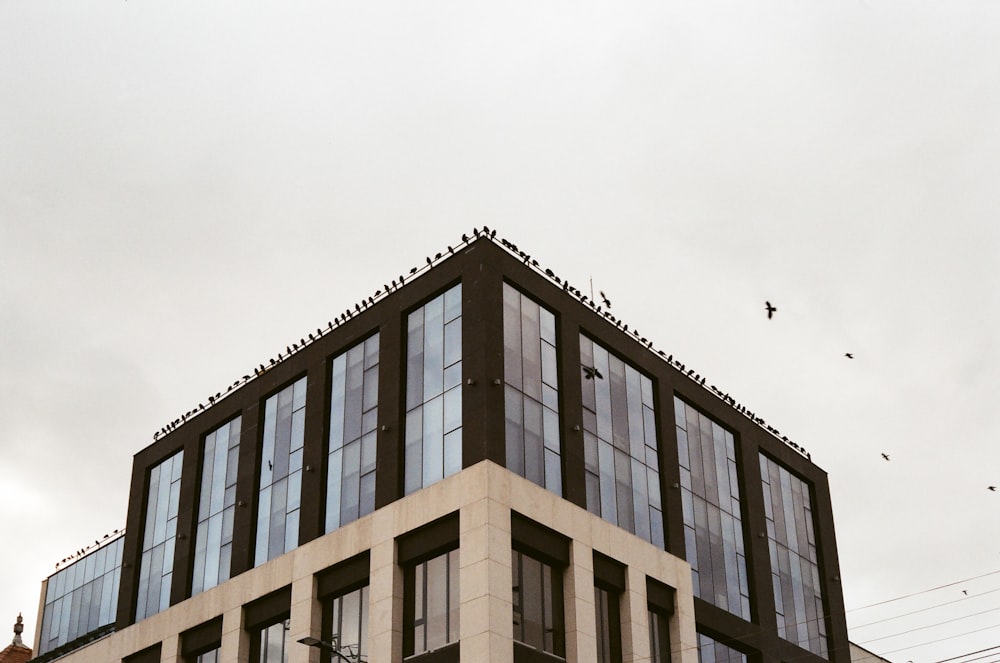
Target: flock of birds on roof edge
{"type": "Point", "coordinates": [601, 308]}
{"type": "Point", "coordinates": [108, 538]}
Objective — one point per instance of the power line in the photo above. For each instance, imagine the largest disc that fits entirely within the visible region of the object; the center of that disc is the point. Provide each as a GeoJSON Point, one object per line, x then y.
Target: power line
{"type": "Point", "coordinates": [989, 649]}
{"type": "Point", "coordinates": [932, 589]}
{"type": "Point", "coordinates": [950, 637]}
{"type": "Point", "coordinates": [938, 605]}
{"type": "Point", "coordinates": [922, 628]}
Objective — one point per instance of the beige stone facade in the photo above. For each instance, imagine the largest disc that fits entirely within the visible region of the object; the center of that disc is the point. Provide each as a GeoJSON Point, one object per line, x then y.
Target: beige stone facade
{"type": "Point", "coordinates": [484, 496]}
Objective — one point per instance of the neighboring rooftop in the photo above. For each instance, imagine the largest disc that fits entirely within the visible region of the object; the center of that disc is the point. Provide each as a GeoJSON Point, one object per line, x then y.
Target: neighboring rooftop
{"type": "Point", "coordinates": [16, 652]}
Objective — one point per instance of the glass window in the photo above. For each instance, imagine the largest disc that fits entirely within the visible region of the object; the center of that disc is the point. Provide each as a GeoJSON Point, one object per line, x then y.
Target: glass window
{"type": "Point", "coordinates": [713, 526]}
{"type": "Point", "coordinates": [217, 506]}
{"type": "Point", "coordinates": [271, 644]}
{"type": "Point", "coordinates": [211, 656]}
{"type": "Point", "coordinates": [798, 593]}
{"type": "Point", "coordinates": [350, 488]}
{"type": "Point", "coordinates": [659, 637]}
{"type": "Point", "coordinates": [348, 625]}
{"type": "Point", "coordinates": [432, 593]}
{"type": "Point", "coordinates": [531, 390]}
{"type": "Point", "coordinates": [620, 450]}
{"type": "Point", "coordinates": [281, 472]}
{"type": "Point", "coordinates": [434, 391]}
{"type": "Point", "coordinates": [538, 605]}
{"type": "Point", "coordinates": [710, 651]}
{"type": "Point", "coordinates": [609, 631]}
{"type": "Point", "coordinates": [82, 597]}
{"type": "Point", "coordinates": [160, 531]}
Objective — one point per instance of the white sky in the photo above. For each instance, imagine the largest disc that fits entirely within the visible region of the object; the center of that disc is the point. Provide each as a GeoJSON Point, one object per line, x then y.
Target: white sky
{"type": "Point", "coordinates": [187, 187]}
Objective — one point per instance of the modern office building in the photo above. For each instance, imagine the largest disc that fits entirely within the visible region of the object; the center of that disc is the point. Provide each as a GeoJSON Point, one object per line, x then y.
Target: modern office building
{"type": "Point", "coordinates": [476, 463]}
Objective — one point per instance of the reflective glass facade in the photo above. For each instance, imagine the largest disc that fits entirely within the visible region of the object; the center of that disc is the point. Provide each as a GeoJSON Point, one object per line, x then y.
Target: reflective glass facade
{"type": "Point", "coordinates": [531, 390]}
{"type": "Point", "coordinates": [798, 594]}
{"type": "Point", "coordinates": [349, 624]}
{"type": "Point", "coordinates": [659, 637]}
{"type": "Point", "coordinates": [350, 488]}
{"type": "Point", "coordinates": [216, 507]}
{"type": "Point", "coordinates": [281, 472]}
{"type": "Point", "coordinates": [434, 391]}
{"type": "Point", "coordinates": [538, 604]}
{"type": "Point", "coordinates": [620, 450]}
{"type": "Point", "coordinates": [209, 657]}
{"type": "Point", "coordinates": [159, 536]}
{"type": "Point", "coordinates": [273, 643]}
{"type": "Point", "coordinates": [713, 526]}
{"type": "Point", "coordinates": [609, 635]}
{"type": "Point", "coordinates": [82, 597]}
{"type": "Point", "coordinates": [435, 603]}
{"type": "Point", "coordinates": [711, 651]}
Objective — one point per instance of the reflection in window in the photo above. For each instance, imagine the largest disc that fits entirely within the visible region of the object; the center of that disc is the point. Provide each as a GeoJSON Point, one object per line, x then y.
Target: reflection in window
{"type": "Point", "coordinates": [659, 637]}
{"type": "Point", "coordinates": [217, 505]}
{"type": "Point", "coordinates": [798, 594]}
{"type": "Point", "coordinates": [159, 534]}
{"type": "Point", "coordinates": [348, 629]}
{"type": "Point", "coordinates": [434, 596]}
{"type": "Point", "coordinates": [531, 390]}
{"type": "Point", "coordinates": [211, 656]}
{"type": "Point", "coordinates": [620, 452]}
{"type": "Point", "coordinates": [538, 604]}
{"type": "Point", "coordinates": [272, 644]}
{"type": "Point", "coordinates": [350, 491]}
{"type": "Point", "coordinates": [434, 391]}
{"type": "Point", "coordinates": [710, 494]}
{"type": "Point", "coordinates": [281, 472]}
{"type": "Point", "coordinates": [81, 597]}
{"type": "Point", "coordinates": [609, 631]}
{"type": "Point", "coordinates": [710, 651]}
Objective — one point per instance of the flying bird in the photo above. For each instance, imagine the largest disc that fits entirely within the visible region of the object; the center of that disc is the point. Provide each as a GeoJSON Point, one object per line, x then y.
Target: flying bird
{"type": "Point", "coordinates": [849, 355]}
{"type": "Point", "coordinates": [770, 310]}
{"type": "Point", "coordinates": [604, 298]}
{"type": "Point", "coordinates": [885, 456]}
{"type": "Point", "coordinates": [993, 488]}
{"type": "Point", "coordinates": [591, 372]}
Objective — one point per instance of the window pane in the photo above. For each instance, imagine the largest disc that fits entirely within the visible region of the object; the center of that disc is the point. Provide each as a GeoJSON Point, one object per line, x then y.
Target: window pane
{"type": "Point", "coordinates": [434, 599]}
{"type": "Point", "coordinates": [531, 392]}
{"type": "Point", "coordinates": [216, 506]}
{"type": "Point", "coordinates": [156, 569]}
{"type": "Point", "coordinates": [537, 604]}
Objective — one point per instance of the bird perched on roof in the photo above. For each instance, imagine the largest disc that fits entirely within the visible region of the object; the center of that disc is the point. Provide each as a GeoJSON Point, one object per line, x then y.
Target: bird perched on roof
{"type": "Point", "coordinates": [591, 372]}
{"type": "Point", "coordinates": [770, 309]}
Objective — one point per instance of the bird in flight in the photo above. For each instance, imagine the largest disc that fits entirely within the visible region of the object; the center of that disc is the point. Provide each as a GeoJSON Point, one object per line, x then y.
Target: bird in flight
{"type": "Point", "coordinates": [849, 355]}
{"type": "Point", "coordinates": [604, 298]}
{"type": "Point", "coordinates": [590, 372]}
{"type": "Point", "coordinates": [885, 456]}
{"type": "Point", "coordinates": [770, 310]}
{"type": "Point", "coordinates": [993, 488]}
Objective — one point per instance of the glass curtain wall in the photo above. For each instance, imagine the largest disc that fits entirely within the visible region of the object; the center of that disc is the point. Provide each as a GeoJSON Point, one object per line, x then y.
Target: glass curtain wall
{"type": "Point", "coordinates": [281, 472]}
{"type": "Point", "coordinates": [798, 594]}
{"type": "Point", "coordinates": [434, 391]}
{"type": "Point", "coordinates": [350, 489]}
{"type": "Point", "coordinates": [713, 527]}
{"type": "Point", "coordinates": [620, 451]}
{"type": "Point", "coordinates": [273, 643]}
{"type": "Point", "coordinates": [156, 567]}
{"type": "Point", "coordinates": [531, 390]}
{"type": "Point", "coordinates": [659, 637]}
{"type": "Point", "coordinates": [609, 635]}
{"type": "Point", "coordinates": [82, 597]}
{"type": "Point", "coordinates": [217, 506]}
{"type": "Point", "coordinates": [711, 651]}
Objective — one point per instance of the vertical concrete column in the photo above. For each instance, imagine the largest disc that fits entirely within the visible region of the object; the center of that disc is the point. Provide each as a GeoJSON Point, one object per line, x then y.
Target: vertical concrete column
{"type": "Point", "coordinates": [485, 597]}
{"type": "Point", "coordinates": [235, 640]}
{"type": "Point", "coordinates": [635, 618]}
{"type": "Point", "coordinates": [581, 614]}
{"type": "Point", "coordinates": [683, 627]}
{"type": "Point", "coordinates": [305, 619]}
{"type": "Point", "coordinates": [170, 649]}
{"type": "Point", "coordinates": [385, 587]}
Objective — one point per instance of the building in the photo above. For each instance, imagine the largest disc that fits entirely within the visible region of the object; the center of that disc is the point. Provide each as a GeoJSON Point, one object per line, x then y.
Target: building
{"type": "Point", "coordinates": [16, 651]}
{"type": "Point", "coordinates": [476, 463]}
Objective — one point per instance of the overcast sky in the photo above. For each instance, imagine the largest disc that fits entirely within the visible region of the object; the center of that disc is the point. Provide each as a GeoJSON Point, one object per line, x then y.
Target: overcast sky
{"type": "Point", "coordinates": [186, 187]}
